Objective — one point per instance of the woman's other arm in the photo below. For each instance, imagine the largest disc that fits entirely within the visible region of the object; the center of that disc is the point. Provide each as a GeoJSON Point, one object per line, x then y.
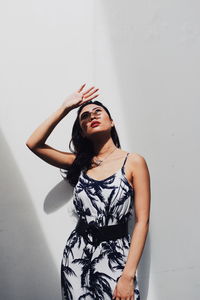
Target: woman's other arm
{"type": "Point", "coordinates": [142, 213]}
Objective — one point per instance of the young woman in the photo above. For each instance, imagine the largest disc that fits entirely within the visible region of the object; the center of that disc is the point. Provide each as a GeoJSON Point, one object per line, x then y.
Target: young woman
{"type": "Point", "coordinates": [100, 257]}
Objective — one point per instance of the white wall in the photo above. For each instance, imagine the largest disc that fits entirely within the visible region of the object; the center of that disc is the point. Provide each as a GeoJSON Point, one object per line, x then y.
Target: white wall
{"type": "Point", "coordinates": [143, 55]}
{"type": "Point", "coordinates": [46, 53]}
{"type": "Point", "coordinates": [152, 48]}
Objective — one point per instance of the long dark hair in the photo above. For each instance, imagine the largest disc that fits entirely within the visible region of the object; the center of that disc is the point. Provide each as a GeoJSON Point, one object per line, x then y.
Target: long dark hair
{"type": "Point", "coordinates": [83, 147]}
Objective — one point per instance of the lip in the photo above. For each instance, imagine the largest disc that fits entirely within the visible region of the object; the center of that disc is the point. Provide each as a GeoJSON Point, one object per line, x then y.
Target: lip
{"type": "Point", "coordinates": [95, 123]}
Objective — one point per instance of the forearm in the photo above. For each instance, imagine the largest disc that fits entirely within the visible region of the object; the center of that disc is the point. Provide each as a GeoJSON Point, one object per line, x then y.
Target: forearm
{"type": "Point", "coordinates": [40, 135]}
{"type": "Point", "coordinates": [136, 248]}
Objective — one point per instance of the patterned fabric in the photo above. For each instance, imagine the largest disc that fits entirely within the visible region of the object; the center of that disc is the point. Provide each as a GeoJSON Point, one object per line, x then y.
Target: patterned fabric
{"type": "Point", "coordinates": [89, 272]}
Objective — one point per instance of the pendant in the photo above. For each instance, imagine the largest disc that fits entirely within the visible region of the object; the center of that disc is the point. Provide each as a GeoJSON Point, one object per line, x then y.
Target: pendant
{"type": "Point", "coordinates": [97, 162]}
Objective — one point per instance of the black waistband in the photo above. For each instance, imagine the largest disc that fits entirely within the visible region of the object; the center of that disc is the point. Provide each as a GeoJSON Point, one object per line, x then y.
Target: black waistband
{"type": "Point", "coordinates": [102, 233]}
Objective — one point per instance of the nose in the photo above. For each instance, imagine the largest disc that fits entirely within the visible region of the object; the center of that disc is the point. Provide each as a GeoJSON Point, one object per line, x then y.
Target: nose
{"type": "Point", "coordinates": [92, 115]}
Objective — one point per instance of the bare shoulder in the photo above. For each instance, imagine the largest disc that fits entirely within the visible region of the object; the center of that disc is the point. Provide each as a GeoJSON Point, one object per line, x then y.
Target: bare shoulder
{"type": "Point", "coordinates": [136, 158]}
{"type": "Point", "coordinates": [137, 161]}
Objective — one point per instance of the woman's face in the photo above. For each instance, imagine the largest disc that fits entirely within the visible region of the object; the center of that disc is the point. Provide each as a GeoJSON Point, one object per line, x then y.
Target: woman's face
{"type": "Point", "coordinates": [94, 113]}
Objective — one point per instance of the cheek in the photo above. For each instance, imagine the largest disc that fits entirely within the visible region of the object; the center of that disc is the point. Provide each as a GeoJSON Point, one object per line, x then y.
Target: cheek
{"type": "Point", "coordinates": [106, 121]}
{"type": "Point", "coordinates": [84, 127]}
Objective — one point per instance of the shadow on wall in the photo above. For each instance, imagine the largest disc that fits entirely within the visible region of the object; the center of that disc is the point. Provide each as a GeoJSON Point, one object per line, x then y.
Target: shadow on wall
{"type": "Point", "coordinates": [58, 197]}
{"type": "Point", "coordinates": [28, 268]}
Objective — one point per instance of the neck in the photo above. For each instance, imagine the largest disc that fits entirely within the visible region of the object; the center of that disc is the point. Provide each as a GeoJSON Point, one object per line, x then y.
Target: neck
{"type": "Point", "coordinates": [103, 147]}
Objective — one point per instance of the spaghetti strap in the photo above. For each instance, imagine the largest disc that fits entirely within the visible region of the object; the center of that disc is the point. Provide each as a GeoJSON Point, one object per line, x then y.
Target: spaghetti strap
{"type": "Point", "coordinates": [125, 161]}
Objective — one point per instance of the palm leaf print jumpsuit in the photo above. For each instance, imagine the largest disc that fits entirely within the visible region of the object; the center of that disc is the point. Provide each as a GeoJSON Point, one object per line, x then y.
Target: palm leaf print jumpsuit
{"type": "Point", "coordinates": [91, 272]}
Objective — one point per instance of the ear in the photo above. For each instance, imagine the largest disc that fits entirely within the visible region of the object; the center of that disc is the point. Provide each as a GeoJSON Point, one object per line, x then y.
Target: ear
{"type": "Point", "coordinates": [112, 124]}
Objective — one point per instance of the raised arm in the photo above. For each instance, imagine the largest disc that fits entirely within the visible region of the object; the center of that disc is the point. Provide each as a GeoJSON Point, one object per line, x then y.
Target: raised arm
{"type": "Point", "coordinates": [36, 142]}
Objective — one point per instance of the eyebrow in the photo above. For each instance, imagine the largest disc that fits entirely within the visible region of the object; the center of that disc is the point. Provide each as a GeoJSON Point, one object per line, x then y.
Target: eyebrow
{"type": "Point", "coordinates": [89, 111]}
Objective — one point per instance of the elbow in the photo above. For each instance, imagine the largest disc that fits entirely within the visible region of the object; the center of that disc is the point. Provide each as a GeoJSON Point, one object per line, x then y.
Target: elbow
{"type": "Point", "coordinates": [143, 223]}
{"type": "Point", "coordinates": [29, 145]}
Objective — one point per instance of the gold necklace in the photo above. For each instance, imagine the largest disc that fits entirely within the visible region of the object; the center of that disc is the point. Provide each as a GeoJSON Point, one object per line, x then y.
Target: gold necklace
{"type": "Point", "coordinates": [98, 162]}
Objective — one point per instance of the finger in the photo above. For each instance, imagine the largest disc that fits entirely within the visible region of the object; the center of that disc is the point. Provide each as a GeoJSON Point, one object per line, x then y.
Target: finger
{"type": "Point", "coordinates": [88, 90]}
{"type": "Point", "coordinates": [81, 88]}
{"type": "Point", "coordinates": [89, 99]}
{"type": "Point", "coordinates": [114, 294]}
{"type": "Point", "coordinates": [86, 96]}
{"type": "Point", "coordinates": [93, 97]}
